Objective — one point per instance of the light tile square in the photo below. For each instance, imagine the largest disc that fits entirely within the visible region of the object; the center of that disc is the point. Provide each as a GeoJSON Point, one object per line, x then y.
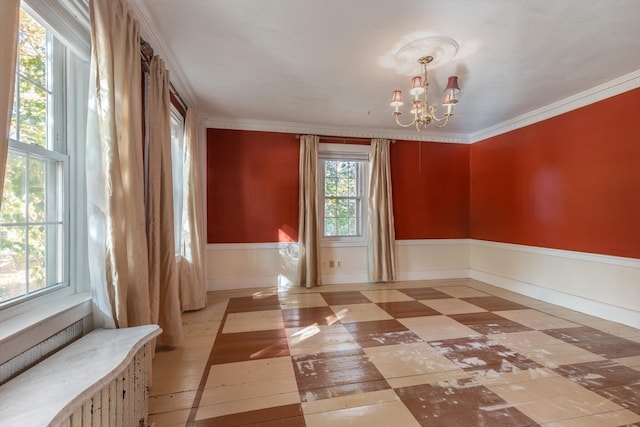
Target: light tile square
{"type": "Point", "coordinates": [462, 291]}
{"type": "Point", "coordinates": [253, 321]}
{"type": "Point", "coordinates": [349, 401]}
{"type": "Point", "coordinates": [536, 320]}
{"type": "Point", "coordinates": [566, 407]}
{"type": "Point", "coordinates": [452, 306]}
{"type": "Point", "coordinates": [544, 388]}
{"type": "Point", "coordinates": [403, 360]}
{"type": "Point", "coordinates": [242, 386]}
{"type": "Point", "coordinates": [606, 419]}
{"type": "Point", "coordinates": [319, 339]}
{"type": "Point", "coordinates": [301, 300]}
{"type": "Point", "coordinates": [385, 414]}
{"type": "Point", "coordinates": [386, 295]}
{"type": "Point", "coordinates": [432, 328]}
{"type": "Point", "coordinates": [544, 349]}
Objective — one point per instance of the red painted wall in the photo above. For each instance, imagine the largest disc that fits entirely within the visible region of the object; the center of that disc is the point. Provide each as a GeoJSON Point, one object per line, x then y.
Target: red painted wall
{"type": "Point", "coordinates": [252, 186]}
{"type": "Point", "coordinates": [570, 182]}
{"type": "Point", "coordinates": [430, 190]}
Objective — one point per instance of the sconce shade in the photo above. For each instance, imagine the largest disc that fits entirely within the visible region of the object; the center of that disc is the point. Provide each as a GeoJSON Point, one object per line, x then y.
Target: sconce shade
{"type": "Point", "coordinates": [451, 92]}
{"type": "Point", "coordinates": [396, 99]}
{"type": "Point", "coordinates": [417, 88]}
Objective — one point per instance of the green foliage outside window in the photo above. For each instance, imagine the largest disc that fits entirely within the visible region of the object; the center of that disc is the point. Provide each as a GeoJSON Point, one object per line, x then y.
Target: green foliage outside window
{"type": "Point", "coordinates": [341, 198]}
{"type": "Point", "coordinates": [22, 234]}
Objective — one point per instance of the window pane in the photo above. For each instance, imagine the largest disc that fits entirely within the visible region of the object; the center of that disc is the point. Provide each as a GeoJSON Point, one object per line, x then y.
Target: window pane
{"type": "Point", "coordinates": [13, 269]}
{"type": "Point", "coordinates": [14, 201]}
{"type": "Point", "coordinates": [36, 256]}
{"type": "Point", "coordinates": [330, 228]}
{"type": "Point", "coordinates": [32, 110]}
{"type": "Point", "coordinates": [37, 190]}
{"type": "Point", "coordinates": [331, 186]}
{"type": "Point", "coordinates": [33, 50]}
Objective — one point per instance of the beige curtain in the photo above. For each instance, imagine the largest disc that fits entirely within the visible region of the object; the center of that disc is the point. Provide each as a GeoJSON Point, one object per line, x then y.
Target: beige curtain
{"type": "Point", "coordinates": [308, 243]}
{"type": "Point", "coordinates": [193, 286]}
{"type": "Point", "coordinates": [9, 24]}
{"type": "Point", "coordinates": [115, 178]}
{"type": "Point", "coordinates": [163, 274]}
{"type": "Point", "coordinates": [381, 228]}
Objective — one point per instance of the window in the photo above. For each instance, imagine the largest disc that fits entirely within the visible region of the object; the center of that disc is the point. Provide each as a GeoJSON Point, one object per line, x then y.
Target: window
{"type": "Point", "coordinates": [343, 169]}
{"type": "Point", "coordinates": [35, 233]}
{"type": "Point", "coordinates": [177, 171]}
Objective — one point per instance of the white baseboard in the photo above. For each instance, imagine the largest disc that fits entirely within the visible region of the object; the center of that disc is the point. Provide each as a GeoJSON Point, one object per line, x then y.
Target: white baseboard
{"type": "Point", "coordinates": [432, 274]}
{"type": "Point", "coordinates": [573, 302]}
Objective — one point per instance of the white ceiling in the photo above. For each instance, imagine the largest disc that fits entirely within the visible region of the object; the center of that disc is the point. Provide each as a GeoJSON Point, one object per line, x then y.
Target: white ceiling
{"type": "Point", "coordinates": [323, 66]}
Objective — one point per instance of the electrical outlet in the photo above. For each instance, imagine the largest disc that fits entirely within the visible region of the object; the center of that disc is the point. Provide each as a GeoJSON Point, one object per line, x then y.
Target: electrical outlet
{"type": "Point", "coordinates": [338, 264]}
{"type": "Point", "coordinates": [331, 263]}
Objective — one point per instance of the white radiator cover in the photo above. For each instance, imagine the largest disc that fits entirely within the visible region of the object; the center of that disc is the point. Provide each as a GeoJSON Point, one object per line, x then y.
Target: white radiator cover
{"type": "Point", "coordinates": [100, 380]}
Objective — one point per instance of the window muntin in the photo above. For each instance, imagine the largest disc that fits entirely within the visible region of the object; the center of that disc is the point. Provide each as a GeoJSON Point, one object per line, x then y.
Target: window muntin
{"type": "Point", "coordinates": [33, 219]}
{"type": "Point", "coordinates": [343, 190]}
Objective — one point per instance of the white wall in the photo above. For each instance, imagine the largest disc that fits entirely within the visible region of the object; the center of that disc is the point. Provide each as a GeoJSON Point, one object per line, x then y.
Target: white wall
{"type": "Point", "coordinates": [600, 285]}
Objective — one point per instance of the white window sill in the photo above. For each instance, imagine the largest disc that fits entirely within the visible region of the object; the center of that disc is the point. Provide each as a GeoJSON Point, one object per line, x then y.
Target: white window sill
{"type": "Point", "coordinates": [43, 318]}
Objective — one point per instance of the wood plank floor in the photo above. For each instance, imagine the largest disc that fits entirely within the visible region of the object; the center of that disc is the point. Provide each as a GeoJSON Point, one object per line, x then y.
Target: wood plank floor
{"type": "Point", "coordinates": [421, 353]}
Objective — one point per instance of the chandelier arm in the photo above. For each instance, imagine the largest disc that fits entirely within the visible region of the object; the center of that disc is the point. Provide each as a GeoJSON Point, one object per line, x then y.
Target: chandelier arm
{"type": "Point", "coordinates": [402, 124]}
{"type": "Point", "coordinates": [445, 120]}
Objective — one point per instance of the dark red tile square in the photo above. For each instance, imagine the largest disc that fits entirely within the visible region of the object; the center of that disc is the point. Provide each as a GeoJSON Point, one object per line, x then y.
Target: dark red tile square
{"type": "Point", "coordinates": [424, 293]}
{"type": "Point", "coordinates": [257, 302]}
{"type": "Point", "coordinates": [459, 403]}
{"type": "Point", "coordinates": [402, 309]}
{"type": "Point", "coordinates": [381, 332]}
{"type": "Point", "coordinates": [243, 346]}
{"type": "Point", "coordinates": [487, 323]}
{"type": "Point", "coordinates": [479, 354]}
{"type": "Point", "coordinates": [344, 298]}
{"type": "Point", "coordinates": [492, 303]}
{"type": "Point", "coordinates": [325, 375]}
{"type": "Point", "coordinates": [597, 342]}
{"type": "Point", "coordinates": [601, 374]}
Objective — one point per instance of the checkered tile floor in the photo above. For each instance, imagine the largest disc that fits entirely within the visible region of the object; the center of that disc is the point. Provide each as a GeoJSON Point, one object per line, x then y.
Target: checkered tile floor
{"type": "Point", "coordinates": [429, 353]}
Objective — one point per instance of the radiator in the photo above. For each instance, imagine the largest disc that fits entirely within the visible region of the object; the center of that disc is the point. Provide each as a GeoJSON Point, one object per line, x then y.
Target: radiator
{"type": "Point", "coordinates": [121, 402]}
{"type": "Point", "coordinates": [102, 379]}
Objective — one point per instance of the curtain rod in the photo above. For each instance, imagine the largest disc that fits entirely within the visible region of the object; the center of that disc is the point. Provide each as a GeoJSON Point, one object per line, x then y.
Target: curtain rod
{"type": "Point", "coordinates": [146, 53]}
{"type": "Point", "coordinates": [344, 138]}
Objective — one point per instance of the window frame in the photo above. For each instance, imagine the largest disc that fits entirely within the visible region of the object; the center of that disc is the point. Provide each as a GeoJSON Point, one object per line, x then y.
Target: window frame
{"type": "Point", "coordinates": [177, 173]}
{"type": "Point", "coordinates": [347, 152]}
{"type": "Point", "coordinates": [67, 111]}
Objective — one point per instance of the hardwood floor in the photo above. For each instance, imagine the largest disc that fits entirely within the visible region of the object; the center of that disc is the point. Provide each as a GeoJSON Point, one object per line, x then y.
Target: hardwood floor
{"type": "Point", "coordinates": [438, 353]}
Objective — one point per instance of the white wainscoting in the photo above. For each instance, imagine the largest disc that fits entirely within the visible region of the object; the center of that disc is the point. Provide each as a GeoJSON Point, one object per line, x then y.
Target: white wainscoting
{"type": "Point", "coordinates": [599, 285]}
{"type": "Point", "coordinates": [250, 265]}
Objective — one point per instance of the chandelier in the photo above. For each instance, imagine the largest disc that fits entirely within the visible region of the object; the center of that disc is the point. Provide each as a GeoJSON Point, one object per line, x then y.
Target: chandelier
{"type": "Point", "coordinates": [424, 112]}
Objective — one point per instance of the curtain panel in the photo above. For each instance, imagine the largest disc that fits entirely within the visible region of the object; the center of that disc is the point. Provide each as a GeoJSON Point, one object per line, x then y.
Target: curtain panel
{"type": "Point", "coordinates": [9, 24]}
{"type": "Point", "coordinates": [381, 249]}
{"type": "Point", "coordinates": [308, 240]}
{"type": "Point", "coordinates": [163, 274]}
{"type": "Point", "coordinates": [193, 285]}
{"type": "Point", "coordinates": [118, 256]}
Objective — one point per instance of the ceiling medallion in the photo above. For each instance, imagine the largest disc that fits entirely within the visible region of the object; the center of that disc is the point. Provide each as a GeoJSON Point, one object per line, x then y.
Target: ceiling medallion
{"type": "Point", "coordinates": [426, 52]}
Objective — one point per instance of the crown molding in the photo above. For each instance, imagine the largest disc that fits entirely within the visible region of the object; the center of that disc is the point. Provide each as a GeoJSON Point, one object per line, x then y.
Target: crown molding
{"type": "Point", "coordinates": [149, 31]}
{"type": "Point", "coordinates": [606, 90]}
{"type": "Point", "coordinates": [314, 129]}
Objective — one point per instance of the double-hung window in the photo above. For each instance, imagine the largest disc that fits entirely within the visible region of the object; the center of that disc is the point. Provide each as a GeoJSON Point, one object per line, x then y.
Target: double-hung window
{"type": "Point", "coordinates": [343, 189]}
{"type": "Point", "coordinates": [35, 218]}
